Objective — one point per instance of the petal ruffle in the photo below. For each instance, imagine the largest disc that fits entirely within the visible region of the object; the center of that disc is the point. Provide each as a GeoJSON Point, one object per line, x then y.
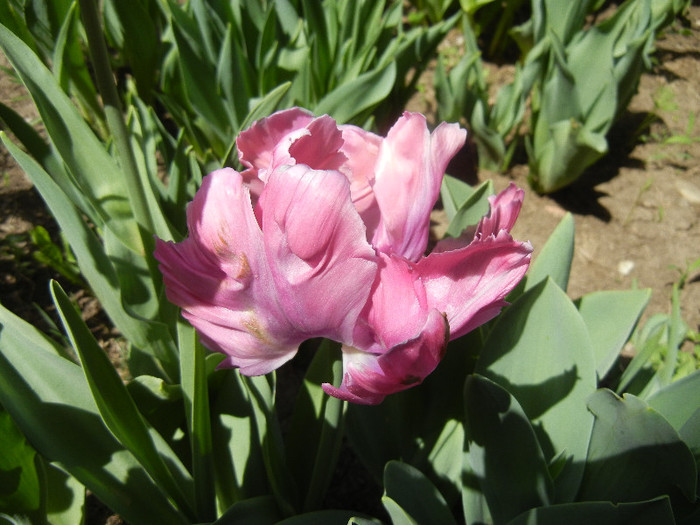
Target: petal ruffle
{"type": "Point", "coordinates": [470, 284]}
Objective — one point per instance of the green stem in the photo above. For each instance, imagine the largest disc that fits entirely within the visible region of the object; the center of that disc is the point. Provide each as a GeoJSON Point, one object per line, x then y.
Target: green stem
{"type": "Point", "coordinates": [115, 119]}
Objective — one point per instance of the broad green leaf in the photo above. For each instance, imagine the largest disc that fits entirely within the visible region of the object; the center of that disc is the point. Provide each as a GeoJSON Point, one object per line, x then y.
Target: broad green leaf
{"type": "Point", "coordinates": [261, 392]}
{"type": "Point", "coordinates": [505, 455]}
{"type": "Point", "coordinates": [195, 393]}
{"type": "Point", "coordinates": [555, 257]}
{"type": "Point", "coordinates": [418, 498]}
{"type": "Point", "coordinates": [653, 512]}
{"type": "Point", "coordinates": [194, 67]}
{"type": "Point", "coordinates": [65, 500]}
{"type": "Point", "coordinates": [454, 193]}
{"type": "Point", "coordinates": [631, 441]}
{"type": "Point", "coordinates": [49, 399]}
{"type": "Point", "coordinates": [678, 401]}
{"type": "Point", "coordinates": [76, 143]}
{"type": "Point", "coordinates": [315, 430]}
{"type": "Point", "coordinates": [398, 515]}
{"type": "Point", "coordinates": [20, 486]}
{"type": "Point", "coordinates": [118, 410]}
{"type": "Point", "coordinates": [358, 95]}
{"type": "Point", "coordinates": [610, 317]}
{"type": "Point", "coordinates": [261, 510]}
{"type": "Point", "coordinates": [135, 29]}
{"type": "Point", "coordinates": [539, 350]}
{"type": "Point", "coordinates": [240, 469]}
{"type": "Point", "coordinates": [472, 209]}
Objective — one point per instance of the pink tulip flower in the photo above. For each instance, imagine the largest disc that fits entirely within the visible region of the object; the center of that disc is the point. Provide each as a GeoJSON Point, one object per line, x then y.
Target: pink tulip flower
{"type": "Point", "coordinates": [324, 234]}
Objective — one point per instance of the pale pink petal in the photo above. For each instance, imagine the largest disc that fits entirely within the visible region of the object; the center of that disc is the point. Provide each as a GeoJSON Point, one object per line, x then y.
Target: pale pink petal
{"type": "Point", "coordinates": [320, 148]}
{"type": "Point", "coordinates": [220, 278]}
{"type": "Point", "coordinates": [369, 378]}
{"type": "Point", "coordinates": [409, 171]}
{"type": "Point", "coordinates": [470, 284]}
{"type": "Point", "coordinates": [270, 137]}
{"type": "Point", "coordinates": [321, 262]}
{"type": "Point", "coordinates": [362, 149]}
{"type": "Point", "coordinates": [396, 286]}
{"type": "Point", "coordinates": [504, 210]}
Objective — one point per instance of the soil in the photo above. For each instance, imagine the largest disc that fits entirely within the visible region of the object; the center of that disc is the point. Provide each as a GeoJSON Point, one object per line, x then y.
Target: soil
{"type": "Point", "coordinates": [637, 211]}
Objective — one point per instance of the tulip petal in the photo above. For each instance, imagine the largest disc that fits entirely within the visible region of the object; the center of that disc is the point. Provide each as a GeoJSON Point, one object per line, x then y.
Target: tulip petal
{"type": "Point", "coordinates": [369, 378]}
{"type": "Point", "coordinates": [266, 143]}
{"type": "Point", "coordinates": [220, 278]}
{"type": "Point", "coordinates": [470, 284]}
{"type": "Point", "coordinates": [408, 175]}
{"type": "Point", "coordinates": [361, 149]}
{"type": "Point", "coordinates": [504, 210]}
{"type": "Point", "coordinates": [321, 262]}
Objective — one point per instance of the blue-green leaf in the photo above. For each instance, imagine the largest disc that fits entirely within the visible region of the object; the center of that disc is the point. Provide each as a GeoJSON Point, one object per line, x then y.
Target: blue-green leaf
{"type": "Point", "coordinates": [505, 456]}
{"type": "Point", "coordinates": [631, 441]}
{"type": "Point", "coordinates": [540, 351]}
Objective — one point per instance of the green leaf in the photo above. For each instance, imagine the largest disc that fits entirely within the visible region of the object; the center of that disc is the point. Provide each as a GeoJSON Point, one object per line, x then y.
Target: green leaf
{"type": "Point", "coordinates": [631, 441]}
{"type": "Point", "coordinates": [261, 393]}
{"type": "Point", "coordinates": [472, 209]}
{"type": "Point", "coordinates": [240, 469]}
{"type": "Point", "coordinates": [653, 512]}
{"type": "Point", "coordinates": [555, 257]}
{"type": "Point", "coordinates": [504, 453]}
{"type": "Point", "coordinates": [118, 410]}
{"type": "Point", "coordinates": [254, 511]}
{"type": "Point", "coordinates": [196, 397]}
{"type": "Point", "coordinates": [349, 100]}
{"type": "Point", "coordinates": [76, 143]}
{"type": "Point", "coordinates": [95, 266]}
{"type": "Point", "coordinates": [49, 399]}
{"type": "Point", "coordinates": [418, 498]}
{"type": "Point", "coordinates": [20, 490]}
{"type": "Point", "coordinates": [454, 193]}
{"type": "Point", "coordinates": [610, 317]}
{"type": "Point", "coordinates": [672, 402]}
{"type": "Point", "coordinates": [540, 351]}
{"type": "Point", "coordinates": [315, 430]}
{"type": "Point", "coordinates": [397, 514]}
{"type": "Point", "coordinates": [65, 502]}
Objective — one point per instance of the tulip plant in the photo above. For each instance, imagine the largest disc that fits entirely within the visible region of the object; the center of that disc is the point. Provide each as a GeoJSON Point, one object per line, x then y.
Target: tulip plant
{"type": "Point", "coordinates": [574, 100]}
{"type": "Point", "coordinates": [316, 243]}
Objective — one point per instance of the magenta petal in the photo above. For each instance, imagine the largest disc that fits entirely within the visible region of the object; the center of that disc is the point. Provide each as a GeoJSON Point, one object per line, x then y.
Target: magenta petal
{"type": "Point", "coordinates": [322, 265]}
{"type": "Point", "coordinates": [471, 283]}
{"type": "Point", "coordinates": [220, 278]}
{"type": "Point", "coordinates": [369, 378]}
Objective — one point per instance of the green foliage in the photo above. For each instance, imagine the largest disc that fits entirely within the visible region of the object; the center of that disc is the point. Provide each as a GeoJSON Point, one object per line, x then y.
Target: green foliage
{"type": "Point", "coordinates": [540, 439]}
{"type": "Point", "coordinates": [576, 78]}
